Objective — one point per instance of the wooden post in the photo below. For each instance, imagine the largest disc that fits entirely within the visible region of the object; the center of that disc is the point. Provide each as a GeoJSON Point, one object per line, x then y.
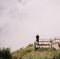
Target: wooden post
{"type": "Point", "coordinates": [51, 42]}
{"type": "Point", "coordinates": [37, 38]}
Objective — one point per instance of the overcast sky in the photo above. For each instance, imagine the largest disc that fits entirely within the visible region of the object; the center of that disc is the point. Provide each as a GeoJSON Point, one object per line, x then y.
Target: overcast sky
{"type": "Point", "coordinates": [21, 20]}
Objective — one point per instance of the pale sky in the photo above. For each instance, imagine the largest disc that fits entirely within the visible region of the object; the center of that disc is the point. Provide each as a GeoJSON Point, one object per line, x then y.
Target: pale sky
{"type": "Point", "coordinates": [21, 20]}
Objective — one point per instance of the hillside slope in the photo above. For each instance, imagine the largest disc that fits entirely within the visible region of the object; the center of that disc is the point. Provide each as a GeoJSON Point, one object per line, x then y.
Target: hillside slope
{"type": "Point", "coordinates": [42, 53]}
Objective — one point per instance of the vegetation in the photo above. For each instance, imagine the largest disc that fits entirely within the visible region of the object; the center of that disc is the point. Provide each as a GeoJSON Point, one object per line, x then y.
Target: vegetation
{"type": "Point", "coordinates": [5, 53]}
{"type": "Point", "coordinates": [30, 53]}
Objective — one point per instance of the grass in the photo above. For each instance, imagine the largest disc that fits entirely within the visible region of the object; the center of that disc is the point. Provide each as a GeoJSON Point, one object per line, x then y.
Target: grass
{"type": "Point", "coordinates": [30, 53]}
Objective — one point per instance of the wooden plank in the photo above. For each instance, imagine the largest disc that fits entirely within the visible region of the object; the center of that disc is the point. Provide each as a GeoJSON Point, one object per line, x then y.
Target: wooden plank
{"type": "Point", "coordinates": [43, 44]}
{"type": "Point", "coordinates": [44, 41]}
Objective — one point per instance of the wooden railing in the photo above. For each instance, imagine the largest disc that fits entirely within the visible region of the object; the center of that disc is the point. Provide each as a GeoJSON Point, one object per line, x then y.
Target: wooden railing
{"type": "Point", "coordinates": [45, 44]}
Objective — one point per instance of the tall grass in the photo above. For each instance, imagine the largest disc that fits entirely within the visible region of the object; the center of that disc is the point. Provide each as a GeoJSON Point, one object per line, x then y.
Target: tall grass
{"type": "Point", "coordinates": [42, 53]}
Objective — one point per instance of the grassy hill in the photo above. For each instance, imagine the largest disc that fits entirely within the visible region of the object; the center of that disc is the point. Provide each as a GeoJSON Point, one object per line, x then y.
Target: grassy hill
{"type": "Point", "coordinates": [30, 53]}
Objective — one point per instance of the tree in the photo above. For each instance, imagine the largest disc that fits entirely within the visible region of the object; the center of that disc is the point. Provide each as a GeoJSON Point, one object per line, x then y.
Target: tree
{"type": "Point", "coordinates": [5, 53]}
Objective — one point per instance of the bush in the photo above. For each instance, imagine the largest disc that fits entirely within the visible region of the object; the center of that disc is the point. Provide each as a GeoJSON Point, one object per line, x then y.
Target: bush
{"type": "Point", "coordinates": [5, 53]}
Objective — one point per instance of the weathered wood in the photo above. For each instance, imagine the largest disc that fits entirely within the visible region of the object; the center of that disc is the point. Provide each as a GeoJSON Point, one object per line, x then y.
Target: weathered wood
{"type": "Point", "coordinates": [44, 44]}
{"type": "Point", "coordinates": [44, 41]}
{"type": "Point", "coordinates": [51, 43]}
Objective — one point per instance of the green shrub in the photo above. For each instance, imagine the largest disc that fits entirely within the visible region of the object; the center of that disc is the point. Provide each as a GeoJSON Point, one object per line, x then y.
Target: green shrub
{"type": "Point", "coordinates": [5, 53]}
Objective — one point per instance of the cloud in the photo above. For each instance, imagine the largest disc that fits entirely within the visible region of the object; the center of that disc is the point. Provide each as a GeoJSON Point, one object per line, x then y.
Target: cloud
{"type": "Point", "coordinates": [21, 21]}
